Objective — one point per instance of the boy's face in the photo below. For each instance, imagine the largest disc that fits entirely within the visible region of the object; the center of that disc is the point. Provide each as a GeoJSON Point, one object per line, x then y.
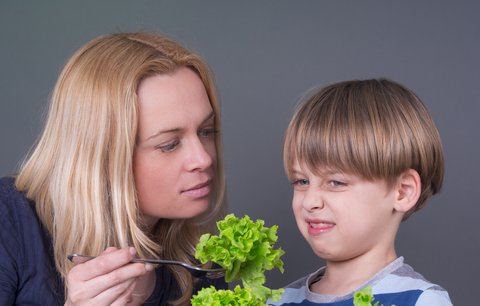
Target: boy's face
{"type": "Point", "coordinates": [343, 216]}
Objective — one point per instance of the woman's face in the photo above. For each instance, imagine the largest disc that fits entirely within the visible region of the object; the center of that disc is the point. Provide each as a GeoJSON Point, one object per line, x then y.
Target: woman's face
{"type": "Point", "coordinates": [175, 156]}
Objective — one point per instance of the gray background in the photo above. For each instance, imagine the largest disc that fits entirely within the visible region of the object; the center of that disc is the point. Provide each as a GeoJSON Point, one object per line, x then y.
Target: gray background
{"type": "Point", "coordinates": [265, 55]}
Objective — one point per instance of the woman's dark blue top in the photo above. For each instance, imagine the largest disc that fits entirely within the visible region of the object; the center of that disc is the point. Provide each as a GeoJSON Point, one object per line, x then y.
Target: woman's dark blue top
{"type": "Point", "coordinates": [27, 269]}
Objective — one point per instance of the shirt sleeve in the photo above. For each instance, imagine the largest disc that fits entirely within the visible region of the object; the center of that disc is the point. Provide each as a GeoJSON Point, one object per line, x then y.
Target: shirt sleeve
{"type": "Point", "coordinates": [27, 268]}
{"type": "Point", "coordinates": [9, 250]}
{"type": "Point", "coordinates": [434, 297]}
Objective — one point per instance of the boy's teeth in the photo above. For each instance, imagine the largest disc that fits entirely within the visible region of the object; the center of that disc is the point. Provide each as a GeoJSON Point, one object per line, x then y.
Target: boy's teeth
{"type": "Point", "coordinates": [318, 225]}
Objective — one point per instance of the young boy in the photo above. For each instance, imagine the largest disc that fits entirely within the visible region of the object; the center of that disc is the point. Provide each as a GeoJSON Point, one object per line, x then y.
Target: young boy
{"type": "Point", "coordinates": [362, 156]}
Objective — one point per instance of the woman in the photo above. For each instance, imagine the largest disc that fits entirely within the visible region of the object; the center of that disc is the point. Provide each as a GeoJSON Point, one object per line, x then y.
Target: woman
{"type": "Point", "coordinates": [129, 165]}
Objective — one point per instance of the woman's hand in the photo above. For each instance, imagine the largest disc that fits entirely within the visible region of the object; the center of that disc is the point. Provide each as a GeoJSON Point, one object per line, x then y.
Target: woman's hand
{"type": "Point", "coordinates": [108, 279]}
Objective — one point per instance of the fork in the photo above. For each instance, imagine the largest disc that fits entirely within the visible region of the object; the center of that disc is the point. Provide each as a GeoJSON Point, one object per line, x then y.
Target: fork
{"type": "Point", "coordinates": [196, 271]}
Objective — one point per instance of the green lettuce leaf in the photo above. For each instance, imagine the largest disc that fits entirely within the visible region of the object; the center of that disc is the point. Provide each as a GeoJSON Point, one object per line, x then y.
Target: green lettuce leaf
{"type": "Point", "coordinates": [237, 297]}
{"type": "Point", "coordinates": [245, 250]}
{"type": "Point", "coordinates": [365, 297]}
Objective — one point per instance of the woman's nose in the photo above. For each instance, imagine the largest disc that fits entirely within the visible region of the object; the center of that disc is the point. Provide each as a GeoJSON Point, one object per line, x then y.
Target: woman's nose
{"type": "Point", "coordinates": [199, 156]}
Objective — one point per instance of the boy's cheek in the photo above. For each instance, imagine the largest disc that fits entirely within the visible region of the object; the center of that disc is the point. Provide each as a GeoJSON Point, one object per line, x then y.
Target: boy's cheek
{"type": "Point", "coordinates": [297, 212]}
{"type": "Point", "coordinates": [296, 207]}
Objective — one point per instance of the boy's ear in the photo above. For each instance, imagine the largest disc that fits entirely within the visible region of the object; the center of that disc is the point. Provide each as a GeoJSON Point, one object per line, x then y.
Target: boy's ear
{"type": "Point", "coordinates": [408, 190]}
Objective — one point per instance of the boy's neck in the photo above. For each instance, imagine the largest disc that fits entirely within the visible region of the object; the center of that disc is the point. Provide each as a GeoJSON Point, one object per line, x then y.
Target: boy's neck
{"type": "Point", "coordinates": [343, 277]}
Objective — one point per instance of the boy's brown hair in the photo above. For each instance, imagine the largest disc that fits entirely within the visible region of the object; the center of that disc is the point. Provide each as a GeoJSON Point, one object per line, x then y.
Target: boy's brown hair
{"type": "Point", "coordinates": [375, 129]}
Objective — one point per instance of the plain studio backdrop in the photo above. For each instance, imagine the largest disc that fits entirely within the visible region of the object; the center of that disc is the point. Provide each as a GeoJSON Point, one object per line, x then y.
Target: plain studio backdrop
{"type": "Point", "coordinates": [265, 56]}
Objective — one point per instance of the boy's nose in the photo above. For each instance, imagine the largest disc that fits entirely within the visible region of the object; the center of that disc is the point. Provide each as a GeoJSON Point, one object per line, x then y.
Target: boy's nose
{"type": "Point", "coordinates": [312, 201]}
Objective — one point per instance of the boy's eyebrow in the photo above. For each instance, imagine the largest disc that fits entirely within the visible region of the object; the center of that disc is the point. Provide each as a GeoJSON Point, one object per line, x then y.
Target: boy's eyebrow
{"type": "Point", "coordinates": [322, 172]}
{"type": "Point", "coordinates": [210, 116]}
{"type": "Point", "coordinates": [295, 171]}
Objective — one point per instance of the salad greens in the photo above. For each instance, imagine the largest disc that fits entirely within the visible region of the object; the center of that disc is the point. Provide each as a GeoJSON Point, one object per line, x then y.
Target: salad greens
{"type": "Point", "coordinates": [245, 250]}
{"type": "Point", "coordinates": [237, 297]}
{"type": "Point", "coordinates": [364, 297]}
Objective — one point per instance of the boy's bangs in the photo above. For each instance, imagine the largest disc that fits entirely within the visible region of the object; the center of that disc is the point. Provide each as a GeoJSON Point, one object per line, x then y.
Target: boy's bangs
{"type": "Point", "coordinates": [337, 134]}
{"type": "Point", "coordinates": [324, 140]}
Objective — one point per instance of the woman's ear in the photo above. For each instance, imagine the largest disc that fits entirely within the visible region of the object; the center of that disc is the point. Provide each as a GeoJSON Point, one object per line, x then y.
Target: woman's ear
{"type": "Point", "coordinates": [408, 190]}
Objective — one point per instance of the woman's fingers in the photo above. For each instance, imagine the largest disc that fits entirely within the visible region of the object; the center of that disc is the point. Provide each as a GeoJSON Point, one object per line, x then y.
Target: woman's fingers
{"type": "Point", "coordinates": [108, 261]}
{"type": "Point", "coordinates": [109, 250]}
{"type": "Point", "coordinates": [113, 295]}
{"type": "Point", "coordinates": [106, 279]}
{"type": "Point", "coordinates": [126, 297]}
{"type": "Point", "coordinates": [104, 282]}
{"type": "Point", "coordinates": [119, 294]}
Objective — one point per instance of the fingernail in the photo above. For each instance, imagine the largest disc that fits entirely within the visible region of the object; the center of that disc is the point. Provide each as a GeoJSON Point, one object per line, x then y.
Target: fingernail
{"type": "Point", "coordinates": [148, 267]}
{"type": "Point", "coordinates": [132, 251]}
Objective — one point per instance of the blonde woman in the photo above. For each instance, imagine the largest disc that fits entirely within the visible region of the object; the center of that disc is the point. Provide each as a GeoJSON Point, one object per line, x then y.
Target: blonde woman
{"type": "Point", "coordinates": [129, 164]}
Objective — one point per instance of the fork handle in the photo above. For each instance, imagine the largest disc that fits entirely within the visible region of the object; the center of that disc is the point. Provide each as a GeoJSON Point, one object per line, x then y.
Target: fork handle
{"type": "Point", "coordinates": [79, 259]}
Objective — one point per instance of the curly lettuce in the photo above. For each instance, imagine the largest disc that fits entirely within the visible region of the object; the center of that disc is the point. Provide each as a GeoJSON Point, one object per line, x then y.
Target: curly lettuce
{"type": "Point", "coordinates": [238, 297]}
{"type": "Point", "coordinates": [245, 250]}
{"type": "Point", "coordinates": [365, 297]}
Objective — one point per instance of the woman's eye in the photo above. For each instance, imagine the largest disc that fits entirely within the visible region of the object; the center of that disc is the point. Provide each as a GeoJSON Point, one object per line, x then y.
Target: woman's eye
{"type": "Point", "coordinates": [169, 147]}
{"type": "Point", "coordinates": [207, 132]}
{"type": "Point", "coordinates": [300, 182]}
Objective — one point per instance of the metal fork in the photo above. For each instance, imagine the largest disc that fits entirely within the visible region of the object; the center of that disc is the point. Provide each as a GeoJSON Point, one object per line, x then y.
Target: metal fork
{"type": "Point", "coordinates": [196, 271]}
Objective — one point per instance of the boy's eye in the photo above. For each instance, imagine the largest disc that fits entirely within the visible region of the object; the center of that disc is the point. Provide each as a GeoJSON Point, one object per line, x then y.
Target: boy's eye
{"type": "Point", "coordinates": [169, 147]}
{"type": "Point", "coordinates": [207, 132]}
{"type": "Point", "coordinates": [334, 183]}
{"type": "Point", "coordinates": [300, 182]}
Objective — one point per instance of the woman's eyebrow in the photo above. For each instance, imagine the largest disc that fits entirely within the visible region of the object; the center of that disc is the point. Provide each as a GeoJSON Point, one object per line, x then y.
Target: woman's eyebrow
{"type": "Point", "coordinates": [210, 116]}
{"type": "Point", "coordinates": [174, 130]}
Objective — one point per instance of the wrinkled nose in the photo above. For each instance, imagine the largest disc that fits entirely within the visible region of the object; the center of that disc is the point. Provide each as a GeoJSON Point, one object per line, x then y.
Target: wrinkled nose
{"type": "Point", "coordinates": [312, 201]}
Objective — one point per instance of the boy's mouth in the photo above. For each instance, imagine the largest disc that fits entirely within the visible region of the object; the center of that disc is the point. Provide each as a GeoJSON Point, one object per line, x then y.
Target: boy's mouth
{"type": "Point", "coordinates": [317, 227]}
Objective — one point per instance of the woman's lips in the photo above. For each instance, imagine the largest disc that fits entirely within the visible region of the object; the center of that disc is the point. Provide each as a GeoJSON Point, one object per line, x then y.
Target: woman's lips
{"type": "Point", "coordinates": [317, 227]}
{"type": "Point", "coordinates": [198, 191]}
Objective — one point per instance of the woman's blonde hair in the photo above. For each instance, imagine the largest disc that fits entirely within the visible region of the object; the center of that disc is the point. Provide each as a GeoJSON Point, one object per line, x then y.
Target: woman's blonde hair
{"type": "Point", "coordinates": [376, 129]}
{"type": "Point", "coordinates": [80, 174]}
